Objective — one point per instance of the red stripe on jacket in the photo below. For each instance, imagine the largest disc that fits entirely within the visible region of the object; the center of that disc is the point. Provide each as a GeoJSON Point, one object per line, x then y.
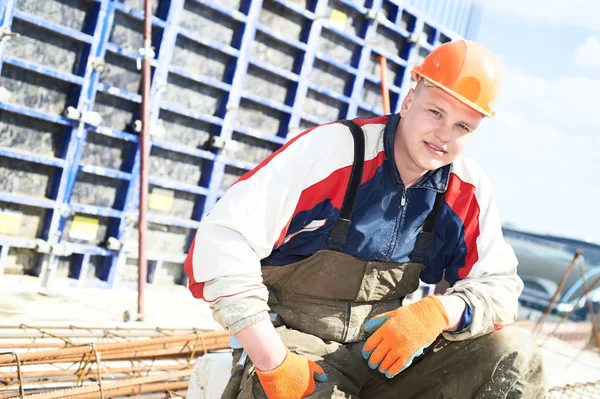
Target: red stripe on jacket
{"type": "Point", "coordinates": [358, 121]}
{"type": "Point", "coordinates": [460, 196]}
{"type": "Point", "coordinates": [196, 288]}
{"type": "Point", "coordinates": [332, 188]}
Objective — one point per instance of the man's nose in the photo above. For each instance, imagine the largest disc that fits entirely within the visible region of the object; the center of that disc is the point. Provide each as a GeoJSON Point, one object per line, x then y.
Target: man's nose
{"type": "Point", "coordinates": [444, 134]}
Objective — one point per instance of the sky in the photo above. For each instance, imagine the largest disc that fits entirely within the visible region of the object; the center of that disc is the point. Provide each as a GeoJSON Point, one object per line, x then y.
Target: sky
{"type": "Point", "coordinates": [542, 151]}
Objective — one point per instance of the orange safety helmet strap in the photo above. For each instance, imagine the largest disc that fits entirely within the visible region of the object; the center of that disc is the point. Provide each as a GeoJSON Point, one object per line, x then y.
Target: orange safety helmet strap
{"type": "Point", "coordinates": [466, 70]}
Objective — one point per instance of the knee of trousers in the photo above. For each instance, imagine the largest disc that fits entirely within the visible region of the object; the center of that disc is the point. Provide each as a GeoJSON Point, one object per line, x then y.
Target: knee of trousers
{"type": "Point", "coordinates": [516, 347]}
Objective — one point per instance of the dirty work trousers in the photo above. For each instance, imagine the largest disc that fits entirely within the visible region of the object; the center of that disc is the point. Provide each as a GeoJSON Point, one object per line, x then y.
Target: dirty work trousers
{"type": "Point", "coordinates": [504, 364]}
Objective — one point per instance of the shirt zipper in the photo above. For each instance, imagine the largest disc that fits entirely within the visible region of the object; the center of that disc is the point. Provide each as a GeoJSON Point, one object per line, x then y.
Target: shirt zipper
{"type": "Point", "coordinates": [403, 200]}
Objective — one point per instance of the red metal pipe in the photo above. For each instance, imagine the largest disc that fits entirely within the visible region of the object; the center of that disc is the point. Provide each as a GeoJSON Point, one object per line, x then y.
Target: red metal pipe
{"type": "Point", "coordinates": [144, 154]}
{"type": "Point", "coordinates": [385, 93]}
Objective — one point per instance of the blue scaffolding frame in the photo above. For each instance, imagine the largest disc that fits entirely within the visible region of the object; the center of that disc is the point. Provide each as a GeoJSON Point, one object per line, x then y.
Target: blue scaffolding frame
{"type": "Point", "coordinates": [86, 83]}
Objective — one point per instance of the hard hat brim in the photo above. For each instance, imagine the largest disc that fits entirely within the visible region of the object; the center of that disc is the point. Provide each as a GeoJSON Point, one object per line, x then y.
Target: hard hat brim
{"type": "Point", "coordinates": [416, 74]}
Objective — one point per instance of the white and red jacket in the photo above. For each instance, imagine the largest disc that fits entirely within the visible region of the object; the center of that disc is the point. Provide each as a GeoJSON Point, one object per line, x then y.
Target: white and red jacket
{"type": "Point", "coordinates": [284, 209]}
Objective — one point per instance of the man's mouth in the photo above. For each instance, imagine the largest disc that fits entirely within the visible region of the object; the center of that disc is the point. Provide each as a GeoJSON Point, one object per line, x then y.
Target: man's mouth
{"type": "Point", "coordinates": [435, 148]}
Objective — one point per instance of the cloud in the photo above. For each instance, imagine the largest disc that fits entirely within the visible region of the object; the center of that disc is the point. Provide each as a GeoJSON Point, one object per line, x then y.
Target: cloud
{"type": "Point", "coordinates": [581, 13]}
{"type": "Point", "coordinates": [542, 153]}
{"type": "Point", "coordinates": [587, 55]}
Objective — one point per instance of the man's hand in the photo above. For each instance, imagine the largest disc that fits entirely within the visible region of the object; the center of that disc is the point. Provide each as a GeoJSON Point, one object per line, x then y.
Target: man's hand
{"type": "Point", "coordinates": [292, 379]}
{"type": "Point", "coordinates": [401, 335]}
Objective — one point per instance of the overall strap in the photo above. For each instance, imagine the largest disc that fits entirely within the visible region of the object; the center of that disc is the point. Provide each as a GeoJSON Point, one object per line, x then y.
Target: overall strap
{"type": "Point", "coordinates": [426, 234]}
{"type": "Point", "coordinates": [337, 238]}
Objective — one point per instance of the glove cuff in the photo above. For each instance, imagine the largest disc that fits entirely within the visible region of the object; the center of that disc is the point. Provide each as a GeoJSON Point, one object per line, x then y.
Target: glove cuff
{"type": "Point", "coordinates": [437, 313]}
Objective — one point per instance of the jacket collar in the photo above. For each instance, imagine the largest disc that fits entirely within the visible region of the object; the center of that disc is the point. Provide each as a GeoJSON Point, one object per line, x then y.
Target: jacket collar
{"type": "Point", "coordinates": [436, 180]}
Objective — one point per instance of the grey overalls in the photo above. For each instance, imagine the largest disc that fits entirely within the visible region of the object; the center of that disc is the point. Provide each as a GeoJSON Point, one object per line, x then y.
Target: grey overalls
{"type": "Point", "coordinates": [322, 303]}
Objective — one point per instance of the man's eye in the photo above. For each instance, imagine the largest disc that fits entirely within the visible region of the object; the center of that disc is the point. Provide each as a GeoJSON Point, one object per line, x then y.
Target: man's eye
{"type": "Point", "coordinates": [433, 111]}
{"type": "Point", "coordinates": [463, 127]}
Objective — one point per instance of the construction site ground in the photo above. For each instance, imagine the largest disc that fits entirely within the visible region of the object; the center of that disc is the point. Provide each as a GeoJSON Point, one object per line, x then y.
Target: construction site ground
{"type": "Point", "coordinates": [173, 307]}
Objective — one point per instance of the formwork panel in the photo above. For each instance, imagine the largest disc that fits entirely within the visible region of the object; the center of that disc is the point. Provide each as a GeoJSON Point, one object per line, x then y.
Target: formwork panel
{"type": "Point", "coordinates": [202, 60]}
{"type": "Point", "coordinates": [232, 174]}
{"type": "Point", "coordinates": [371, 95]}
{"type": "Point", "coordinates": [267, 85]}
{"type": "Point", "coordinates": [323, 106]}
{"type": "Point", "coordinates": [208, 23]}
{"type": "Point", "coordinates": [391, 41]}
{"type": "Point", "coordinates": [130, 274]}
{"type": "Point", "coordinates": [105, 151]}
{"type": "Point", "coordinates": [24, 133]}
{"type": "Point", "coordinates": [127, 32]}
{"type": "Point", "coordinates": [345, 18]}
{"type": "Point", "coordinates": [117, 113]}
{"type": "Point", "coordinates": [28, 220]}
{"type": "Point", "coordinates": [139, 4]}
{"type": "Point", "coordinates": [94, 266]}
{"type": "Point", "coordinates": [260, 117]}
{"type": "Point", "coordinates": [390, 11]}
{"type": "Point", "coordinates": [95, 190]}
{"type": "Point", "coordinates": [69, 13]}
{"type": "Point", "coordinates": [305, 125]}
{"type": "Point", "coordinates": [26, 178]}
{"type": "Point", "coordinates": [19, 260]}
{"type": "Point", "coordinates": [192, 95]}
{"type": "Point", "coordinates": [394, 72]}
{"type": "Point", "coordinates": [363, 113]}
{"type": "Point", "coordinates": [168, 274]}
{"type": "Point", "coordinates": [407, 21]}
{"type": "Point", "coordinates": [186, 131]}
{"type": "Point", "coordinates": [330, 77]}
{"type": "Point", "coordinates": [272, 51]}
{"type": "Point", "coordinates": [44, 48]}
{"type": "Point", "coordinates": [337, 47]}
{"type": "Point", "coordinates": [121, 72]}
{"type": "Point", "coordinates": [175, 166]}
{"type": "Point", "coordinates": [248, 149]}
{"type": "Point", "coordinates": [177, 203]}
{"type": "Point", "coordinates": [163, 239]}
{"type": "Point", "coordinates": [283, 21]}
{"type": "Point", "coordinates": [33, 90]}
{"type": "Point", "coordinates": [100, 223]}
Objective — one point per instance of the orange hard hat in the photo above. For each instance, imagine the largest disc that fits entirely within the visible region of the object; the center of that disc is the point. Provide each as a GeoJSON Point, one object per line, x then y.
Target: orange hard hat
{"type": "Point", "coordinates": [466, 70]}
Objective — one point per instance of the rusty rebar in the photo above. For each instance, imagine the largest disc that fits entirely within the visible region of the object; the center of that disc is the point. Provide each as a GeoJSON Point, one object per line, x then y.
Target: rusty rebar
{"type": "Point", "coordinates": [385, 93]}
{"type": "Point", "coordinates": [560, 287]}
{"type": "Point", "coordinates": [116, 346]}
{"type": "Point", "coordinates": [72, 374]}
{"type": "Point", "coordinates": [109, 386]}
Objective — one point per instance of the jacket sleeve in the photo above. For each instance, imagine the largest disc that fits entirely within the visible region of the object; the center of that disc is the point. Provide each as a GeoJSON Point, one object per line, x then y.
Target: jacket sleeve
{"type": "Point", "coordinates": [483, 268]}
{"type": "Point", "coordinates": [223, 265]}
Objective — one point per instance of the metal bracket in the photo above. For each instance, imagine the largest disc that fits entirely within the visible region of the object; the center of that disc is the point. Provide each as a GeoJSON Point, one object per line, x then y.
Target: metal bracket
{"type": "Point", "coordinates": [145, 52]}
{"type": "Point", "coordinates": [7, 34]}
{"type": "Point", "coordinates": [42, 247]}
{"type": "Point", "coordinates": [98, 64]}
{"type": "Point", "coordinates": [65, 211]}
{"type": "Point", "coordinates": [62, 249]}
{"type": "Point", "coordinates": [89, 117]}
{"type": "Point", "coordinates": [218, 142]}
{"type": "Point", "coordinates": [137, 126]}
{"type": "Point", "coordinates": [419, 39]}
{"type": "Point", "coordinates": [113, 244]}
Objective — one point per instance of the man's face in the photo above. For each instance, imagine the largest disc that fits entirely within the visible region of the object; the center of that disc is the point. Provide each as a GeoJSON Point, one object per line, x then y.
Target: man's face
{"type": "Point", "coordinates": [435, 128]}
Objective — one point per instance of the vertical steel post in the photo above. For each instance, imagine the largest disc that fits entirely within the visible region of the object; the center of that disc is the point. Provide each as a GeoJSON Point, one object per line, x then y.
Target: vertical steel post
{"type": "Point", "coordinates": [144, 154]}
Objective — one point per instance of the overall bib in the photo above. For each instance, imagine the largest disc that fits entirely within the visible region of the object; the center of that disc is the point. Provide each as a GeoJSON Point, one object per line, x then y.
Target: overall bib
{"type": "Point", "coordinates": [322, 303]}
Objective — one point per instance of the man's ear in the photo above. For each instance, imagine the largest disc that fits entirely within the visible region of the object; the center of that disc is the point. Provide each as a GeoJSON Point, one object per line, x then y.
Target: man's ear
{"type": "Point", "coordinates": [407, 102]}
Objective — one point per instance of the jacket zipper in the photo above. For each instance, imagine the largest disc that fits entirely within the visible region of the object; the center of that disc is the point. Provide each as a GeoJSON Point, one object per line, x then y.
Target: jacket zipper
{"type": "Point", "coordinates": [403, 200]}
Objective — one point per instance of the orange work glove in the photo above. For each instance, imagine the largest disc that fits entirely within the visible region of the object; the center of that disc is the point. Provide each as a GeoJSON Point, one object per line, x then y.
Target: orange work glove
{"type": "Point", "coordinates": [292, 379]}
{"type": "Point", "coordinates": [401, 335]}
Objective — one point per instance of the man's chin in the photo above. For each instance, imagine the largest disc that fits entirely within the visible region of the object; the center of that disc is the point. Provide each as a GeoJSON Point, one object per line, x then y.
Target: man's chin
{"type": "Point", "coordinates": [433, 165]}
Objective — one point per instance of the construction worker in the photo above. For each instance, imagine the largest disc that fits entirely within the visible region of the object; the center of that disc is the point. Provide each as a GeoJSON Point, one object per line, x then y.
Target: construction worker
{"type": "Point", "coordinates": [307, 258]}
